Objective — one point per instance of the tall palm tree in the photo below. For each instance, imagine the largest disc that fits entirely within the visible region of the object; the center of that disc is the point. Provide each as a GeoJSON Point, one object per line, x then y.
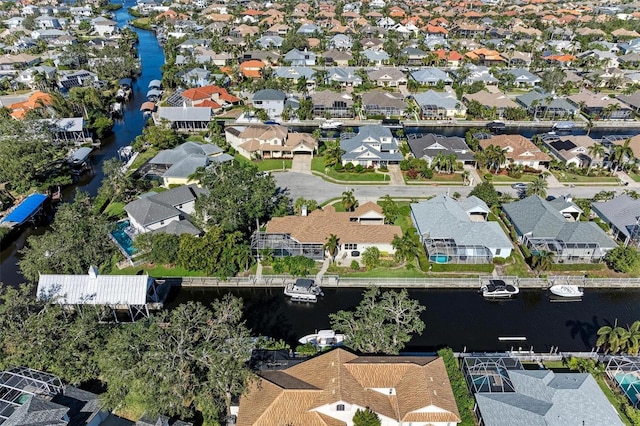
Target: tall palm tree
{"type": "Point", "coordinates": [349, 201]}
{"type": "Point", "coordinates": [438, 162]}
{"type": "Point", "coordinates": [465, 176]}
{"type": "Point", "coordinates": [407, 246]}
{"type": "Point", "coordinates": [633, 342]}
{"type": "Point", "coordinates": [332, 153]}
{"type": "Point", "coordinates": [451, 160]}
{"type": "Point", "coordinates": [538, 187]}
{"type": "Point", "coordinates": [597, 150]}
{"type": "Point", "coordinates": [331, 245]}
{"type": "Point", "coordinates": [614, 338]}
{"type": "Point", "coordinates": [542, 260]}
{"type": "Point", "coordinates": [622, 154]}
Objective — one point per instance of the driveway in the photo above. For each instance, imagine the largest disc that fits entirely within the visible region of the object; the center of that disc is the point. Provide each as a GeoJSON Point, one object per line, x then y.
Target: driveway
{"type": "Point", "coordinates": [301, 163]}
{"type": "Point", "coordinates": [395, 175]}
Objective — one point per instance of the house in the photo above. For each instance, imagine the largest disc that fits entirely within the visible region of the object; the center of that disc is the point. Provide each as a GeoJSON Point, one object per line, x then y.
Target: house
{"type": "Point", "coordinates": [540, 226]}
{"type": "Point", "coordinates": [414, 55]}
{"type": "Point", "coordinates": [491, 99]}
{"type": "Point", "coordinates": [459, 231]}
{"type": "Point", "coordinates": [478, 73]}
{"type": "Point", "coordinates": [23, 105]}
{"type": "Point", "coordinates": [519, 150]}
{"type": "Point", "coordinates": [176, 166]}
{"type": "Point", "coordinates": [376, 57]}
{"type": "Point", "coordinates": [298, 58]}
{"type": "Point", "coordinates": [210, 96]}
{"type": "Point", "coordinates": [332, 104]}
{"type": "Point", "coordinates": [634, 143]}
{"type": "Point", "coordinates": [372, 146]}
{"type": "Point", "coordinates": [439, 105]}
{"type": "Point", "coordinates": [387, 104]}
{"type": "Point", "coordinates": [270, 141]}
{"type": "Point", "coordinates": [451, 59]}
{"type": "Point", "coordinates": [308, 29]}
{"type": "Point", "coordinates": [546, 105]}
{"type": "Point", "coordinates": [622, 214]}
{"type": "Point", "coordinates": [196, 77]}
{"type": "Point", "coordinates": [387, 77]}
{"type": "Point", "coordinates": [306, 235]}
{"type": "Point", "coordinates": [337, 57]}
{"type": "Point", "coordinates": [340, 42]}
{"type": "Point", "coordinates": [600, 105]}
{"type": "Point", "coordinates": [523, 77]}
{"type": "Point", "coordinates": [269, 41]}
{"type": "Point", "coordinates": [573, 150]}
{"type": "Point", "coordinates": [184, 118]}
{"type": "Point", "coordinates": [507, 394]}
{"type": "Point", "coordinates": [32, 397]}
{"type": "Point", "coordinates": [430, 145]}
{"type": "Point", "coordinates": [252, 68]}
{"type": "Point", "coordinates": [296, 73]}
{"type": "Point", "coordinates": [68, 130]}
{"type": "Point", "coordinates": [486, 57]}
{"type": "Point", "coordinates": [165, 212]}
{"type": "Point", "coordinates": [331, 387]}
{"type": "Point", "coordinates": [343, 76]}
{"type": "Point", "coordinates": [104, 27]}
{"type": "Point", "coordinates": [80, 78]}
{"type": "Point", "coordinates": [431, 76]}
{"type": "Point", "coordinates": [270, 100]}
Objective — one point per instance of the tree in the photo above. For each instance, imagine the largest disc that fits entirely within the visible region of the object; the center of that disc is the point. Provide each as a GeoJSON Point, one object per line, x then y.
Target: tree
{"type": "Point", "coordinates": [486, 192]}
{"type": "Point", "coordinates": [58, 251]}
{"type": "Point", "coordinates": [332, 245]}
{"type": "Point", "coordinates": [366, 417]}
{"type": "Point", "coordinates": [390, 209]}
{"type": "Point", "coordinates": [552, 79]}
{"type": "Point", "coordinates": [301, 202]}
{"type": "Point", "coordinates": [117, 182]}
{"type": "Point", "coordinates": [621, 154]}
{"type": "Point", "coordinates": [597, 150]}
{"type": "Point", "coordinates": [407, 246]}
{"type": "Point", "coordinates": [623, 259]}
{"type": "Point", "coordinates": [542, 260]}
{"type": "Point", "coordinates": [349, 201]}
{"type": "Point", "coordinates": [332, 153]}
{"type": "Point", "coordinates": [237, 198]}
{"type": "Point", "coordinates": [371, 257]}
{"type": "Point", "coordinates": [613, 338]}
{"type": "Point", "coordinates": [382, 323]}
{"type": "Point", "coordinates": [538, 187]}
{"type": "Point", "coordinates": [160, 137]}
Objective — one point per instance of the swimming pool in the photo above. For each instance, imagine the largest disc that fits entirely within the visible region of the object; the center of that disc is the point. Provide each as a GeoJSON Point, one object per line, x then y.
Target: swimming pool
{"type": "Point", "coordinates": [439, 258]}
{"type": "Point", "coordinates": [630, 385]}
{"type": "Point", "coordinates": [123, 239]}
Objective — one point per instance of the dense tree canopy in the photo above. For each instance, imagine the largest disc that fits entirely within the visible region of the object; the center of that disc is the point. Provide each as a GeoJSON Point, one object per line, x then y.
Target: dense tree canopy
{"type": "Point", "coordinates": [238, 197]}
{"type": "Point", "coordinates": [383, 322]}
{"type": "Point", "coordinates": [486, 192]}
{"type": "Point", "coordinates": [623, 259]}
{"type": "Point", "coordinates": [77, 239]}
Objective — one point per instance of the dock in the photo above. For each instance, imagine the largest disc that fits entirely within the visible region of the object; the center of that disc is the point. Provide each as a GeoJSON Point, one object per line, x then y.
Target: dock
{"type": "Point", "coordinates": [334, 281]}
{"type": "Point", "coordinates": [27, 210]}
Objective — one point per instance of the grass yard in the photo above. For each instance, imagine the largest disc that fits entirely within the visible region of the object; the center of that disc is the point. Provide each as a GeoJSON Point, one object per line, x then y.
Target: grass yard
{"type": "Point", "coordinates": [142, 158]}
{"type": "Point", "coordinates": [614, 400]}
{"type": "Point", "coordinates": [571, 177]}
{"type": "Point", "coordinates": [159, 271]}
{"type": "Point", "coordinates": [380, 272]}
{"type": "Point", "coordinates": [634, 176]}
{"type": "Point", "coordinates": [526, 177]}
{"type": "Point", "coordinates": [516, 265]}
{"type": "Point", "coordinates": [317, 165]}
{"type": "Point", "coordinates": [114, 210]}
{"type": "Point", "coordinates": [443, 177]}
{"type": "Point", "coordinates": [268, 164]}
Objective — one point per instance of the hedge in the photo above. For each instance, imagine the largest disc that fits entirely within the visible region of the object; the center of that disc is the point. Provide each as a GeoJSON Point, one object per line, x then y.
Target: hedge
{"type": "Point", "coordinates": [464, 400]}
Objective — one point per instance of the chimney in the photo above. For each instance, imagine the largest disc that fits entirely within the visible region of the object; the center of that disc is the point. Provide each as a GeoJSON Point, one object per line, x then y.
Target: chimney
{"type": "Point", "coordinates": [93, 271]}
{"type": "Point", "coordinates": [305, 211]}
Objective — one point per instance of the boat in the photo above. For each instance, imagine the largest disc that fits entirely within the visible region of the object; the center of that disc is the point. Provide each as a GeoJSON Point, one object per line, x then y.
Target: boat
{"type": "Point", "coordinates": [323, 339]}
{"type": "Point", "coordinates": [79, 160]}
{"type": "Point", "coordinates": [303, 290]}
{"type": "Point", "coordinates": [499, 289]}
{"type": "Point", "coordinates": [391, 123]}
{"type": "Point", "coordinates": [566, 290]}
{"type": "Point", "coordinates": [564, 126]}
{"type": "Point", "coordinates": [496, 126]}
{"type": "Point", "coordinates": [331, 125]}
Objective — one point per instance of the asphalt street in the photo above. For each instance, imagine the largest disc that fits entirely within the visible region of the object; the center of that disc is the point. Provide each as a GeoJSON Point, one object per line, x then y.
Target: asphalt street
{"type": "Point", "coordinates": [312, 187]}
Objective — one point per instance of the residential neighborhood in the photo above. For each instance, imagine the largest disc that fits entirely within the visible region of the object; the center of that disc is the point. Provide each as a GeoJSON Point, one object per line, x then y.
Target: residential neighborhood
{"type": "Point", "coordinates": [345, 213]}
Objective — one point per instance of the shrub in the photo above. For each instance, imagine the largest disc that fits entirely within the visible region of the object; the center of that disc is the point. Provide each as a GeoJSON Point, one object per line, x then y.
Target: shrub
{"type": "Point", "coordinates": [413, 174]}
{"type": "Point", "coordinates": [339, 167]}
{"type": "Point", "coordinates": [405, 165]}
{"type": "Point", "coordinates": [349, 167]}
{"type": "Point", "coordinates": [427, 173]}
{"type": "Point", "coordinates": [359, 168]}
{"type": "Point", "coordinates": [355, 265]}
{"type": "Point", "coordinates": [499, 260]}
{"type": "Point", "coordinates": [623, 259]}
{"type": "Point", "coordinates": [383, 168]}
{"type": "Point", "coordinates": [488, 177]}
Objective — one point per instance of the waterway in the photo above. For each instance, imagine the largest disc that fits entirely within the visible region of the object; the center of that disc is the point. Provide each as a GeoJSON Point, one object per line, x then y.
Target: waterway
{"type": "Point", "coordinates": [124, 132]}
{"type": "Point", "coordinates": [456, 318]}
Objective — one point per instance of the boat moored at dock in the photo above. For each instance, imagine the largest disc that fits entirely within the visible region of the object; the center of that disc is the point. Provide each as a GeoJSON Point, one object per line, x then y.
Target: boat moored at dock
{"type": "Point", "coordinates": [303, 290]}
{"type": "Point", "coordinates": [498, 289]}
{"type": "Point", "coordinates": [568, 291]}
{"type": "Point", "coordinates": [323, 339]}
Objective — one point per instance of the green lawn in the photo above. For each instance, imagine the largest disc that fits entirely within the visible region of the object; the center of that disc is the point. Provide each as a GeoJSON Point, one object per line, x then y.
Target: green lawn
{"type": "Point", "coordinates": [317, 165]}
{"type": "Point", "coordinates": [571, 177]}
{"type": "Point", "coordinates": [516, 265]}
{"type": "Point", "coordinates": [268, 164]}
{"type": "Point", "coordinates": [526, 177]}
{"type": "Point", "coordinates": [114, 210]}
{"type": "Point", "coordinates": [378, 273]}
{"type": "Point", "coordinates": [614, 400]}
{"type": "Point", "coordinates": [142, 158]}
{"type": "Point", "coordinates": [635, 176]}
{"type": "Point", "coordinates": [159, 271]}
{"type": "Point", "coordinates": [445, 178]}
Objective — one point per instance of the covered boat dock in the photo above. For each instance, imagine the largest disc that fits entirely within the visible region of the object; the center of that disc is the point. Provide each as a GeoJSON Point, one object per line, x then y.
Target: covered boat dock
{"type": "Point", "coordinates": [25, 211]}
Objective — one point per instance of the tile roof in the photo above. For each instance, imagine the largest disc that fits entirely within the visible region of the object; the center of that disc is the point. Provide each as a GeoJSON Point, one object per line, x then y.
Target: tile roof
{"type": "Point", "coordinates": [519, 148]}
{"type": "Point", "coordinates": [422, 390]}
{"type": "Point", "coordinates": [319, 224]}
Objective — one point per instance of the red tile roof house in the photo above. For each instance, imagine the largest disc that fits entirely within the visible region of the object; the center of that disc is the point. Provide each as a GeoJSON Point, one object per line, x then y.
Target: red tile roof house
{"type": "Point", "coordinates": [328, 390]}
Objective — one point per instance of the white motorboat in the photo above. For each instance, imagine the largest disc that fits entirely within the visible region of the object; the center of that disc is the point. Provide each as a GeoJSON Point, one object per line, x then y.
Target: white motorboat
{"type": "Point", "coordinates": [303, 290]}
{"type": "Point", "coordinates": [331, 125]}
{"type": "Point", "coordinates": [566, 290]}
{"type": "Point", "coordinates": [564, 126]}
{"type": "Point", "coordinates": [499, 289]}
{"type": "Point", "coordinates": [323, 339]}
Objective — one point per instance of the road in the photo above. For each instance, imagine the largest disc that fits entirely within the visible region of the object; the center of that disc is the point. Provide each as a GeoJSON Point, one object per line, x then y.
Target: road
{"type": "Point", "coordinates": [313, 187]}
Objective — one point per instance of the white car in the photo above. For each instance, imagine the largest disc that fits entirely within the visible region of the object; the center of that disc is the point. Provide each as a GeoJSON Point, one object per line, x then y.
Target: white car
{"type": "Point", "coordinates": [520, 186]}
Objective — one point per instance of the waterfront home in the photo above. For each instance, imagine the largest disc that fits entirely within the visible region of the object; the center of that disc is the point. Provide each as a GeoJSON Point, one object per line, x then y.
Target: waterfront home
{"type": "Point", "coordinates": [270, 100]}
{"type": "Point", "coordinates": [546, 106]}
{"type": "Point", "coordinates": [298, 58]}
{"type": "Point", "coordinates": [477, 73]}
{"type": "Point", "coordinates": [600, 105]}
{"type": "Point", "coordinates": [332, 104]}
{"type": "Point", "coordinates": [269, 141]}
{"type": "Point", "coordinates": [523, 77]}
{"type": "Point", "coordinates": [439, 105]}
{"type": "Point", "coordinates": [430, 145]}
{"type": "Point", "coordinates": [21, 105]}
{"type": "Point", "coordinates": [68, 130]}
{"type": "Point", "coordinates": [376, 57]}
{"type": "Point", "coordinates": [507, 394]}
{"type": "Point", "coordinates": [572, 150]}
{"type": "Point", "coordinates": [77, 78]}
{"type": "Point", "coordinates": [383, 103]}
{"type": "Point", "coordinates": [209, 96]}
{"type": "Point", "coordinates": [622, 214]}
{"type": "Point", "coordinates": [387, 77]}
{"type": "Point", "coordinates": [167, 211]}
{"type": "Point", "coordinates": [188, 119]}
{"type": "Point", "coordinates": [176, 166]}
{"type": "Point", "coordinates": [343, 76]}
{"type": "Point", "coordinates": [540, 226]}
{"type": "Point", "coordinates": [518, 150]}
{"type": "Point", "coordinates": [492, 99]}
{"type": "Point", "coordinates": [329, 388]}
{"type": "Point", "coordinates": [372, 146]}
{"type": "Point", "coordinates": [306, 234]}
{"type": "Point", "coordinates": [430, 76]}
{"type": "Point", "coordinates": [459, 231]}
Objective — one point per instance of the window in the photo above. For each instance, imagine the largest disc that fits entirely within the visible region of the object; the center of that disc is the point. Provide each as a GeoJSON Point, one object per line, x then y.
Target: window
{"type": "Point", "coordinates": [350, 246]}
{"type": "Point", "coordinates": [162, 222]}
{"type": "Point", "coordinates": [498, 252]}
{"type": "Point", "coordinates": [340, 407]}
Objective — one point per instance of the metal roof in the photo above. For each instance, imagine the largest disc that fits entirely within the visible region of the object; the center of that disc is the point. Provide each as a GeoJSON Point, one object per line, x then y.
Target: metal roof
{"type": "Point", "coordinates": [94, 289]}
{"type": "Point", "coordinates": [185, 113]}
{"type": "Point", "coordinates": [26, 209]}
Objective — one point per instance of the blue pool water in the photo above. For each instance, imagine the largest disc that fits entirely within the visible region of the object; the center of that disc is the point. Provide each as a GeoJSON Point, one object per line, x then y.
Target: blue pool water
{"type": "Point", "coordinates": [123, 239]}
{"type": "Point", "coordinates": [630, 385]}
{"type": "Point", "coordinates": [439, 258]}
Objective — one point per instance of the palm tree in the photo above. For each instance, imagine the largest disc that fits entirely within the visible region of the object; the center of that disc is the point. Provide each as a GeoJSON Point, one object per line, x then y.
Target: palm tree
{"type": "Point", "coordinates": [542, 260]}
{"type": "Point", "coordinates": [465, 176]}
{"type": "Point", "coordinates": [613, 338]}
{"type": "Point", "coordinates": [85, 98]}
{"type": "Point", "coordinates": [332, 153]}
{"type": "Point", "coordinates": [538, 187]}
{"type": "Point", "coordinates": [438, 162]}
{"type": "Point", "coordinates": [622, 154]}
{"type": "Point", "coordinates": [331, 245]}
{"type": "Point", "coordinates": [407, 246]}
{"type": "Point", "coordinates": [349, 201]}
{"type": "Point", "coordinates": [451, 161]}
{"type": "Point", "coordinates": [597, 150]}
{"type": "Point", "coordinates": [633, 342]}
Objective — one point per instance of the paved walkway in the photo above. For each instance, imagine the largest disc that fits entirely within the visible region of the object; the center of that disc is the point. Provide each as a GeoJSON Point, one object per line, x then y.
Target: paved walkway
{"type": "Point", "coordinates": [395, 175]}
{"type": "Point", "coordinates": [627, 181]}
{"type": "Point", "coordinates": [474, 177]}
{"type": "Point", "coordinates": [323, 270]}
{"type": "Point", "coordinates": [301, 164]}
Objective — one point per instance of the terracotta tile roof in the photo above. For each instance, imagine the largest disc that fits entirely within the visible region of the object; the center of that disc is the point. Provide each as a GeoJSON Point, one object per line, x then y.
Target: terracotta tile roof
{"type": "Point", "coordinates": [422, 390]}
{"type": "Point", "coordinates": [36, 100]}
{"type": "Point", "coordinates": [520, 148]}
{"type": "Point", "coordinates": [316, 227]}
{"type": "Point", "coordinates": [252, 68]}
{"type": "Point", "coordinates": [487, 54]}
{"type": "Point", "coordinates": [208, 103]}
{"type": "Point", "coordinates": [634, 143]}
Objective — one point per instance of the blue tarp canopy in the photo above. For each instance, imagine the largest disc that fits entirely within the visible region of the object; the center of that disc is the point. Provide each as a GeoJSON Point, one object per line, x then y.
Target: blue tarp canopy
{"type": "Point", "coordinates": [25, 209]}
{"type": "Point", "coordinates": [155, 84]}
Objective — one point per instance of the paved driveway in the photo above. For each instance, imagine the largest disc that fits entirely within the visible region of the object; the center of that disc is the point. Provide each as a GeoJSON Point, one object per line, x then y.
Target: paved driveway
{"type": "Point", "coordinates": [301, 163]}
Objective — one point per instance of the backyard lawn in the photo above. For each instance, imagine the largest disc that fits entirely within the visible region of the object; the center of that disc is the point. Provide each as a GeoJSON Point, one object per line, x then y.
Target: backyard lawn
{"type": "Point", "coordinates": [317, 165]}
{"type": "Point", "coordinates": [159, 271]}
{"type": "Point", "coordinates": [142, 158]}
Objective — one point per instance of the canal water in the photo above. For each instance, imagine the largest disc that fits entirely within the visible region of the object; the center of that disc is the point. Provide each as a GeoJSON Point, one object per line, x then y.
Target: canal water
{"type": "Point", "coordinates": [124, 132]}
{"type": "Point", "coordinates": [456, 318]}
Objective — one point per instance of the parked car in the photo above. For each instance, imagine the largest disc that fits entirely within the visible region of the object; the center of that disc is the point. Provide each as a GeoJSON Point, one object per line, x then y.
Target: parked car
{"type": "Point", "coordinates": [520, 186]}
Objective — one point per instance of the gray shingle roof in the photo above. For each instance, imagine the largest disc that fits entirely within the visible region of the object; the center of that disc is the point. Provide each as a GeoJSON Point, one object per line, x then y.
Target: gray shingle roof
{"type": "Point", "coordinates": [187, 166]}
{"type": "Point", "coordinates": [175, 155]}
{"type": "Point", "coordinates": [431, 145]}
{"type": "Point", "coordinates": [269, 95]}
{"type": "Point", "coordinates": [146, 211]}
{"type": "Point", "coordinates": [440, 99]}
{"type": "Point", "coordinates": [37, 412]}
{"type": "Point", "coordinates": [179, 227]}
{"type": "Point", "coordinates": [621, 212]}
{"type": "Point", "coordinates": [361, 145]}
{"type": "Point", "coordinates": [430, 75]}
